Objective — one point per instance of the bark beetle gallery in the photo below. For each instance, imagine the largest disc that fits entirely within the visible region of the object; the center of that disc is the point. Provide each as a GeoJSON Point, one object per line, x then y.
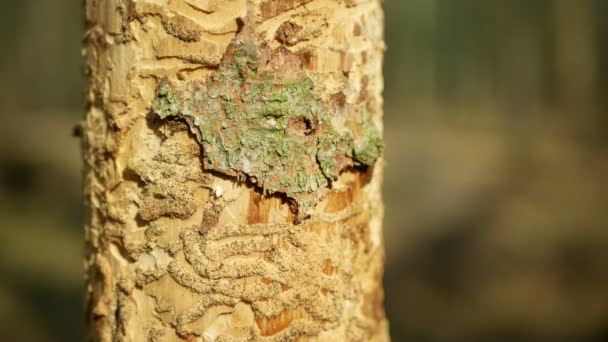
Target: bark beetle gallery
{"type": "Point", "coordinates": [232, 170]}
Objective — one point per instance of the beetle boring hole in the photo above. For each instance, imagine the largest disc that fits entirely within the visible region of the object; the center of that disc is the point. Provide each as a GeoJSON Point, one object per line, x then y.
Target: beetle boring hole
{"type": "Point", "coordinates": [301, 126]}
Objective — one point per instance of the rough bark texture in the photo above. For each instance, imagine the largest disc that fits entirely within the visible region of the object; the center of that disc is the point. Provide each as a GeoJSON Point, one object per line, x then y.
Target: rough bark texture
{"type": "Point", "coordinates": [233, 170]}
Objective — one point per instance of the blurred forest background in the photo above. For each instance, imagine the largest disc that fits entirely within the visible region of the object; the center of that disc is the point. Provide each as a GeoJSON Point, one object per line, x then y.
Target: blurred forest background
{"type": "Point", "coordinates": [496, 186]}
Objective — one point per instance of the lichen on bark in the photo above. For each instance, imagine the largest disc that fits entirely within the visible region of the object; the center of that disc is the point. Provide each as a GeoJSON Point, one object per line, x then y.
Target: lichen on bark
{"type": "Point", "coordinates": [273, 131]}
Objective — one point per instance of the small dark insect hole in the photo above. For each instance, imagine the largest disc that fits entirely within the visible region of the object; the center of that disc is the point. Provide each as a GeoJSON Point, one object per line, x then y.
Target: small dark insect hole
{"type": "Point", "coordinates": [301, 126]}
{"type": "Point", "coordinates": [309, 129]}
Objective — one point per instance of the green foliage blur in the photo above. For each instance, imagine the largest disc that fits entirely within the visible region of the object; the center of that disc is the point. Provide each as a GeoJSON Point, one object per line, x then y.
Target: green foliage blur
{"type": "Point", "coordinates": [496, 184]}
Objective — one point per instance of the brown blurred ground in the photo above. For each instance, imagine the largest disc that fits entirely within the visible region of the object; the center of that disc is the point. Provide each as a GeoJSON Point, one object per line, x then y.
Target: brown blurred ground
{"type": "Point", "coordinates": [497, 175]}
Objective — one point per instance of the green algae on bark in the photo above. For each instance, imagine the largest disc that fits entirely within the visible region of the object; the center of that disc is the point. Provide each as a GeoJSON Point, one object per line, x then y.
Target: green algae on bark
{"type": "Point", "coordinates": [277, 133]}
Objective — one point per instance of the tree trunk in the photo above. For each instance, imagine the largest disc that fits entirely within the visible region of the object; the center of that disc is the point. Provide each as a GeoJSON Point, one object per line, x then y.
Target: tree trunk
{"type": "Point", "coordinates": [233, 170]}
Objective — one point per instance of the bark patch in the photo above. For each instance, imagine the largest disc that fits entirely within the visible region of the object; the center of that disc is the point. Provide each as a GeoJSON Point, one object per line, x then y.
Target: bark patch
{"type": "Point", "coordinates": [269, 127]}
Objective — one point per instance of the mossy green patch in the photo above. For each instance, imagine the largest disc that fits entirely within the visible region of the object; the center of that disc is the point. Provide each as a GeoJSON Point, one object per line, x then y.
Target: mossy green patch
{"type": "Point", "coordinates": [274, 132]}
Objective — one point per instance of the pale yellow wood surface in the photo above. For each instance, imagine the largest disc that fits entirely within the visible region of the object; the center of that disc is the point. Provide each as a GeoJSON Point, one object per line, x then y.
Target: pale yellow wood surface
{"type": "Point", "coordinates": [177, 253]}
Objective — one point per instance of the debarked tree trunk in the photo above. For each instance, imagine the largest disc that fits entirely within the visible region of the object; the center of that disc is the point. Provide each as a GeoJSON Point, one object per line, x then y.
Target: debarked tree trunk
{"type": "Point", "coordinates": [232, 170]}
